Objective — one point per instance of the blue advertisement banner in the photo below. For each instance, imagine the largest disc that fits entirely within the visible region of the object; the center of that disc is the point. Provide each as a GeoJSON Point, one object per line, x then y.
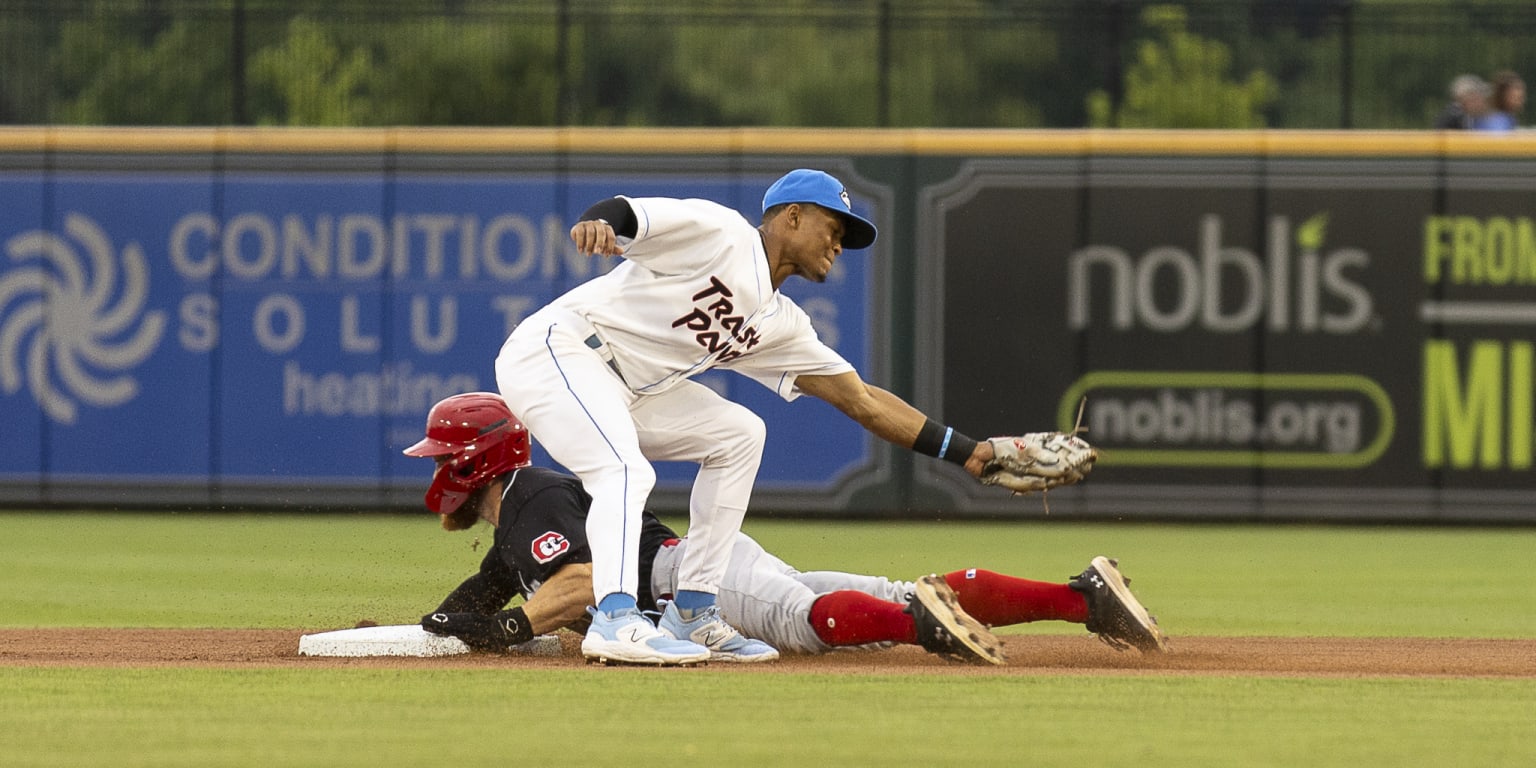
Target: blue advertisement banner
{"type": "Point", "coordinates": [290, 329]}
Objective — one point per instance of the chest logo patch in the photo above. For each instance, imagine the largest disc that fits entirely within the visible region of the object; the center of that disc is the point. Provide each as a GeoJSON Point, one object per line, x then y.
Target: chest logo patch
{"type": "Point", "coordinates": [716, 324]}
{"type": "Point", "coordinates": [549, 546]}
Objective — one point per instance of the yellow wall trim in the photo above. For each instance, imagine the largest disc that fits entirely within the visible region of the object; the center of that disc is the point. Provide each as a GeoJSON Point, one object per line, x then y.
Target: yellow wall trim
{"type": "Point", "coordinates": [706, 141]}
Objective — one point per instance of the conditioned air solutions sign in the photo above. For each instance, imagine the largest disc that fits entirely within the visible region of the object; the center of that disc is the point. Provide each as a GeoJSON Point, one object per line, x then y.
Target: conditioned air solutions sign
{"type": "Point", "coordinates": [284, 331]}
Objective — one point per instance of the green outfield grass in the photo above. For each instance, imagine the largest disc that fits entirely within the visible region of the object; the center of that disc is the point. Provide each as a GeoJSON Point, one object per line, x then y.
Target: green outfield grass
{"type": "Point", "coordinates": [629, 717]}
{"type": "Point", "coordinates": [326, 571]}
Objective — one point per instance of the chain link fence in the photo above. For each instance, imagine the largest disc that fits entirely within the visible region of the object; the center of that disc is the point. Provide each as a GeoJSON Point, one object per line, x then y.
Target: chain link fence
{"type": "Point", "coordinates": [846, 63]}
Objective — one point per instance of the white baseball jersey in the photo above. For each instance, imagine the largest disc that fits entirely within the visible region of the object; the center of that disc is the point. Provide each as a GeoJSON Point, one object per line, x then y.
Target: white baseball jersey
{"type": "Point", "coordinates": [600, 378]}
{"type": "Point", "coordinates": [694, 293]}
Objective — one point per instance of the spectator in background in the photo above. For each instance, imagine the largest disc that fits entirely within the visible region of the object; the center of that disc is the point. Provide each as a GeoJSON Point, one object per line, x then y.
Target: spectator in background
{"type": "Point", "coordinates": [1508, 101]}
{"type": "Point", "coordinates": [1470, 96]}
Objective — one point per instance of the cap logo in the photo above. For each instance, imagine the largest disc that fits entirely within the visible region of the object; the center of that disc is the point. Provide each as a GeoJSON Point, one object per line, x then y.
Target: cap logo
{"type": "Point", "coordinates": [843, 193]}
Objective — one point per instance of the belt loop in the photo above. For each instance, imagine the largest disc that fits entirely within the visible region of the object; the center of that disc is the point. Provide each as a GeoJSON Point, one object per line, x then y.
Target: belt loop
{"type": "Point", "coordinates": [606, 354]}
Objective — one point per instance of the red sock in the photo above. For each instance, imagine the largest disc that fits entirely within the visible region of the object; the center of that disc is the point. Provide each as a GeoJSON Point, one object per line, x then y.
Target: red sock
{"type": "Point", "coordinates": [998, 600]}
{"type": "Point", "coordinates": [847, 617]}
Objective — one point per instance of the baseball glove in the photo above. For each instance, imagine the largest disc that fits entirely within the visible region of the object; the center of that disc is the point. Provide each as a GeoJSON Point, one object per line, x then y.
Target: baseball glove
{"type": "Point", "coordinates": [1038, 461]}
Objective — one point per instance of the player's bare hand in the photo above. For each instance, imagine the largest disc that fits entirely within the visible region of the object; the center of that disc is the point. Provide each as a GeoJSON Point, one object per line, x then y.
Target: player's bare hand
{"type": "Point", "coordinates": [595, 237]}
{"type": "Point", "coordinates": [980, 458]}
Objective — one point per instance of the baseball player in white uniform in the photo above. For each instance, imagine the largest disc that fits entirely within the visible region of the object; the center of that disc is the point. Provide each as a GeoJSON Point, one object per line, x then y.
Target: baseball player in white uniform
{"type": "Point", "coordinates": [600, 376]}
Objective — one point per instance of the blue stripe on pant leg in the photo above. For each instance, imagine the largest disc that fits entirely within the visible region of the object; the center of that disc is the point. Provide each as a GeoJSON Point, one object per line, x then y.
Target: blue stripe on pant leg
{"type": "Point", "coordinates": [624, 531]}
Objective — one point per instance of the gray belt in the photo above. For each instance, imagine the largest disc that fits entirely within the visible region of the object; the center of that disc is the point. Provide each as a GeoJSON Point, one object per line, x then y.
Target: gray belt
{"type": "Point", "coordinates": [606, 354]}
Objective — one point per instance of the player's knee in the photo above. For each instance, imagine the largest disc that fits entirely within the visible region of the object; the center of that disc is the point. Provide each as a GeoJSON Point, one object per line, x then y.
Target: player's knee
{"type": "Point", "coordinates": [631, 479]}
{"type": "Point", "coordinates": [733, 436]}
{"type": "Point", "coordinates": [749, 434]}
{"type": "Point", "coordinates": [636, 478]}
{"type": "Point", "coordinates": [642, 478]}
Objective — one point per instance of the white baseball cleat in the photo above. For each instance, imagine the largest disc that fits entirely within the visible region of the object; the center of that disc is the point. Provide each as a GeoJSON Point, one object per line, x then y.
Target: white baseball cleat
{"type": "Point", "coordinates": [628, 637]}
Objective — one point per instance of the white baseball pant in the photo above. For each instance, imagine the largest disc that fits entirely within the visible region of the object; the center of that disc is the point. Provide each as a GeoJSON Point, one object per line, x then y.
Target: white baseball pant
{"type": "Point", "coordinates": [579, 408]}
{"type": "Point", "coordinates": [766, 598]}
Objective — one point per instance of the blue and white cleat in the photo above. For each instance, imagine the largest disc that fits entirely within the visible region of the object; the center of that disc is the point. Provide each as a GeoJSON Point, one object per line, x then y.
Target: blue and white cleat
{"type": "Point", "coordinates": [711, 631]}
{"type": "Point", "coordinates": [628, 637]}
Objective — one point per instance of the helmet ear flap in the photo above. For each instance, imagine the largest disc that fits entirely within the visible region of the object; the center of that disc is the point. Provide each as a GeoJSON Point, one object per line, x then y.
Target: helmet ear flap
{"type": "Point", "coordinates": [445, 498]}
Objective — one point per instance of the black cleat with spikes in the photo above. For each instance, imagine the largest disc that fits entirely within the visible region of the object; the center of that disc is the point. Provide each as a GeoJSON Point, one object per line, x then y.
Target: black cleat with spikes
{"type": "Point", "coordinates": [1114, 614]}
{"type": "Point", "coordinates": [945, 629]}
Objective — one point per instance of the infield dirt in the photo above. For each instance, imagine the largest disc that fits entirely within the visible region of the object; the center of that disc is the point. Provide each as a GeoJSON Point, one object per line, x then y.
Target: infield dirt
{"type": "Point", "coordinates": [1031, 654]}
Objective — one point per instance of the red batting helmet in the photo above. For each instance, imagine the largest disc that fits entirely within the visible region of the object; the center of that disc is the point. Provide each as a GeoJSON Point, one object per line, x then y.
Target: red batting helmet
{"type": "Point", "coordinates": [480, 437]}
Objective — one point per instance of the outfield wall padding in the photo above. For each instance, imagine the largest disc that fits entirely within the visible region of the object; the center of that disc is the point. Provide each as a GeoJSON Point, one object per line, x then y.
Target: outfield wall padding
{"type": "Point", "coordinates": [1254, 325]}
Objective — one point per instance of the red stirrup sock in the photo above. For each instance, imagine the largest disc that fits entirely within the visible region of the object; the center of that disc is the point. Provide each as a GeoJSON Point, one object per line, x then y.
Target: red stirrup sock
{"type": "Point", "coordinates": [998, 600]}
{"type": "Point", "coordinates": [847, 617]}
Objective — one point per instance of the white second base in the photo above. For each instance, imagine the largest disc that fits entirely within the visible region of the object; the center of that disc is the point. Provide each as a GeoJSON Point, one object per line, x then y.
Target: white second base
{"type": "Point", "coordinates": [405, 640]}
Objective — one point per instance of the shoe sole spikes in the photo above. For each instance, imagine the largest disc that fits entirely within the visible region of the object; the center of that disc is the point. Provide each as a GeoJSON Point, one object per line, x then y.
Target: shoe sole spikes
{"type": "Point", "coordinates": [1119, 585]}
{"type": "Point", "coordinates": [617, 662]}
{"type": "Point", "coordinates": [935, 594]}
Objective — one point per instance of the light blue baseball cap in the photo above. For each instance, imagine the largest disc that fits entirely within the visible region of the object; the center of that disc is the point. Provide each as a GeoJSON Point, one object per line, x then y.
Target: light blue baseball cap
{"type": "Point", "coordinates": [804, 185]}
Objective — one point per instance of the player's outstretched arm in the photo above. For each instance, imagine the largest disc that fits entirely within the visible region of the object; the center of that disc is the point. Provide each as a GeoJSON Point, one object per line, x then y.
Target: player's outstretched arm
{"type": "Point", "coordinates": [880, 412]}
{"type": "Point", "coordinates": [481, 593]}
{"type": "Point", "coordinates": [559, 603]}
{"type": "Point", "coordinates": [562, 600]}
{"type": "Point", "coordinates": [885, 415]}
{"type": "Point", "coordinates": [1036, 461]}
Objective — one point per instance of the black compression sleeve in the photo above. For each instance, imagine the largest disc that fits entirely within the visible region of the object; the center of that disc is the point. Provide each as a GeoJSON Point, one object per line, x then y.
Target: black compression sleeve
{"type": "Point", "coordinates": [478, 594]}
{"type": "Point", "coordinates": [618, 214]}
{"type": "Point", "coordinates": [943, 442]}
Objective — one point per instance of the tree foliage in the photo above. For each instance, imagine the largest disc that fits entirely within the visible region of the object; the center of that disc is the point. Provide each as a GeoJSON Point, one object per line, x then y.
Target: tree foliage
{"type": "Point", "coordinates": [1180, 80]}
{"type": "Point", "coordinates": [307, 80]}
{"type": "Point", "coordinates": [451, 72]}
{"type": "Point", "coordinates": [905, 63]}
{"type": "Point", "coordinates": [113, 71]}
